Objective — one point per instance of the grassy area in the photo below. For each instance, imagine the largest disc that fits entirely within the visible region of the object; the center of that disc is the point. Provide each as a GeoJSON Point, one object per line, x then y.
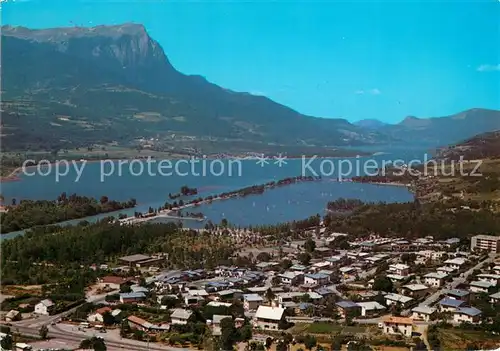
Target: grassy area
{"type": "Point", "coordinates": [459, 339]}
{"type": "Point", "coordinates": [326, 328]}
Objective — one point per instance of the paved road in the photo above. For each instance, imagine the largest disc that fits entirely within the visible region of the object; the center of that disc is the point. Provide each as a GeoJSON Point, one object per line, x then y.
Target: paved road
{"type": "Point", "coordinates": [125, 344]}
{"type": "Point", "coordinates": [39, 321]}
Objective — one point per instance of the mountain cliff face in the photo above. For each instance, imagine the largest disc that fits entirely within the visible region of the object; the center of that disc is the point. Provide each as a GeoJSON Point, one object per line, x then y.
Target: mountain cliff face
{"type": "Point", "coordinates": [107, 75]}
{"type": "Point", "coordinates": [81, 85]}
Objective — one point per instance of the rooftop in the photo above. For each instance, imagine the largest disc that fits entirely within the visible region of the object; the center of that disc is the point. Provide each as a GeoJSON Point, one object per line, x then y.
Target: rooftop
{"type": "Point", "coordinates": [272, 313]}
{"type": "Point", "coordinates": [398, 320]}
{"type": "Point", "coordinates": [135, 258]}
{"type": "Point", "coordinates": [469, 311]}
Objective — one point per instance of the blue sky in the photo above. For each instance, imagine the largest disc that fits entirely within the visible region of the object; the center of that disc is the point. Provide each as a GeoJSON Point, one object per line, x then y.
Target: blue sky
{"type": "Point", "coordinates": [352, 59]}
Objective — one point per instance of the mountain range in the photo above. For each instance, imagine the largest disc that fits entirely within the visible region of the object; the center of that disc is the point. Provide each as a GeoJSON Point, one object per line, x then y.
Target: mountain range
{"type": "Point", "coordinates": [64, 87]}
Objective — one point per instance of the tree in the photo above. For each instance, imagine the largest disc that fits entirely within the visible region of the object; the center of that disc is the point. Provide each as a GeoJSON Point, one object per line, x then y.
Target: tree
{"type": "Point", "coordinates": [142, 282]}
{"type": "Point", "coordinates": [246, 333]}
{"type": "Point", "coordinates": [7, 343]}
{"type": "Point", "coordinates": [169, 301]}
{"type": "Point", "coordinates": [263, 257]}
{"type": "Point", "coordinates": [269, 342]}
{"type": "Point", "coordinates": [43, 332]}
{"type": "Point", "coordinates": [382, 283]}
{"type": "Point", "coordinates": [269, 294]}
{"type": "Point", "coordinates": [108, 319]}
{"type": "Point", "coordinates": [125, 288]}
{"type": "Point", "coordinates": [104, 199]}
{"type": "Point", "coordinates": [310, 245]}
{"type": "Point", "coordinates": [309, 342]}
{"type": "Point", "coordinates": [124, 328]}
{"type": "Point", "coordinates": [228, 335]}
{"type": "Point", "coordinates": [275, 281]}
{"type": "Point", "coordinates": [304, 258]}
{"type": "Point", "coordinates": [93, 343]}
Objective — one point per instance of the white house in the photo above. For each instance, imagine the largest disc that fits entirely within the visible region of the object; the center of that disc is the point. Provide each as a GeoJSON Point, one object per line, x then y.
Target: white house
{"type": "Point", "coordinates": [44, 307]}
{"type": "Point", "coordinates": [467, 314]}
{"type": "Point", "coordinates": [490, 278]}
{"type": "Point", "coordinates": [396, 299]}
{"type": "Point", "coordinates": [399, 269]}
{"type": "Point", "coordinates": [455, 263]}
{"type": "Point", "coordinates": [291, 277]}
{"type": "Point", "coordinates": [495, 298]}
{"type": "Point", "coordinates": [398, 325]}
{"type": "Point", "coordinates": [424, 313]}
{"type": "Point", "coordinates": [316, 279]}
{"type": "Point", "coordinates": [97, 316]}
{"type": "Point", "coordinates": [268, 317]}
{"type": "Point", "coordinates": [251, 301]}
{"type": "Point", "coordinates": [480, 286]}
{"type": "Point", "coordinates": [435, 279]}
{"type": "Point", "coordinates": [370, 308]}
{"type": "Point", "coordinates": [180, 316]}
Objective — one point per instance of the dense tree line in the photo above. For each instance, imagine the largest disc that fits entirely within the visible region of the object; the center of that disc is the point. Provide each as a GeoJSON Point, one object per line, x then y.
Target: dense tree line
{"type": "Point", "coordinates": [455, 218]}
{"type": "Point", "coordinates": [30, 213]}
{"type": "Point", "coordinates": [54, 254]}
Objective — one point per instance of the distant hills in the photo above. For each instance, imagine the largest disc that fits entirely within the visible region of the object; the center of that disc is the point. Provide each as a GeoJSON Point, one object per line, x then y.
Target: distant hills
{"type": "Point", "coordinates": [370, 124]}
{"type": "Point", "coordinates": [486, 145]}
{"type": "Point", "coordinates": [66, 87]}
{"type": "Point", "coordinates": [442, 131]}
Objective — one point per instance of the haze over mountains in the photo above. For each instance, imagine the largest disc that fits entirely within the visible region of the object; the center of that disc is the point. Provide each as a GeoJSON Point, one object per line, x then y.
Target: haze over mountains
{"type": "Point", "coordinates": [74, 86]}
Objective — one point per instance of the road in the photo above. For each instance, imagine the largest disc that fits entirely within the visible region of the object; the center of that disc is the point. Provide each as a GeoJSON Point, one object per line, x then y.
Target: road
{"type": "Point", "coordinates": [39, 321]}
{"type": "Point", "coordinates": [111, 340]}
{"type": "Point", "coordinates": [456, 281]}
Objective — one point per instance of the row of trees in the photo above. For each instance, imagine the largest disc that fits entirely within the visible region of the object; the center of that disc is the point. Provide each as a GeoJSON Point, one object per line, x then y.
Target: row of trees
{"type": "Point", "coordinates": [29, 213]}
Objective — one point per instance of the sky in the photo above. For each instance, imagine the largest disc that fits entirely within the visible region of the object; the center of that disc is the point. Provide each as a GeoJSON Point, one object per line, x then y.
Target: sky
{"type": "Point", "coordinates": [335, 59]}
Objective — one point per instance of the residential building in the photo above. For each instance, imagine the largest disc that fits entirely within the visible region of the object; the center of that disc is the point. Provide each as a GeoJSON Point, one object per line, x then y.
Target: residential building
{"type": "Point", "coordinates": [252, 301]}
{"type": "Point", "coordinates": [450, 305]}
{"type": "Point", "coordinates": [370, 308]}
{"type": "Point", "coordinates": [97, 316]}
{"type": "Point", "coordinates": [435, 279]}
{"type": "Point", "coordinates": [490, 278]}
{"type": "Point", "coordinates": [485, 242]}
{"type": "Point", "coordinates": [132, 297]}
{"type": "Point", "coordinates": [400, 269]}
{"type": "Point", "coordinates": [292, 277]}
{"type": "Point", "coordinates": [180, 316]}
{"type": "Point", "coordinates": [112, 282]}
{"type": "Point", "coordinates": [480, 286]}
{"type": "Point", "coordinates": [455, 263]}
{"type": "Point", "coordinates": [44, 307]}
{"type": "Point", "coordinates": [424, 313]}
{"type": "Point", "coordinates": [398, 325]}
{"type": "Point", "coordinates": [316, 279]}
{"type": "Point", "coordinates": [348, 308]}
{"type": "Point", "coordinates": [415, 290]}
{"type": "Point", "coordinates": [267, 266]}
{"type": "Point", "coordinates": [139, 260]}
{"type": "Point", "coordinates": [495, 298]}
{"type": "Point", "coordinates": [458, 294]}
{"type": "Point", "coordinates": [396, 299]}
{"type": "Point", "coordinates": [467, 314]}
{"type": "Point", "coordinates": [445, 269]}
{"type": "Point", "coordinates": [268, 317]}
{"type": "Point", "coordinates": [216, 328]}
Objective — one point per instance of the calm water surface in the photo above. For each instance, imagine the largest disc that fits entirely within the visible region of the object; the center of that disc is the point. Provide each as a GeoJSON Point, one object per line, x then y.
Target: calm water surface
{"type": "Point", "coordinates": [281, 204]}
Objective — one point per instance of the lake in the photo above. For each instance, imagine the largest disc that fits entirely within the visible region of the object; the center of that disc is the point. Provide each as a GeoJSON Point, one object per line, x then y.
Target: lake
{"type": "Point", "coordinates": [151, 188]}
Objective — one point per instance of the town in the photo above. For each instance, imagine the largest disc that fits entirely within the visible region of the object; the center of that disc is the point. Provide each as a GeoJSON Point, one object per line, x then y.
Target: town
{"type": "Point", "coordinates": [324, 292]}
